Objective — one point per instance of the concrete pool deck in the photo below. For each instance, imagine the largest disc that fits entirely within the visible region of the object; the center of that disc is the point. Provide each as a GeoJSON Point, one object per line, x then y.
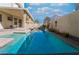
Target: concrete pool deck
{"type": "Point", "coordinates": [10, 31]}
{"type": "Point", "coordinates": [5, 41]}
{"type": "Point", "coordinates": [5, 31]}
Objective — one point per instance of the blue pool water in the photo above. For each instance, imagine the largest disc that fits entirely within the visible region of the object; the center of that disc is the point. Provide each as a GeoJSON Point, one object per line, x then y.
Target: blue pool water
{"type": "Point", "coordinates": [45, 43]}
{"type": "Point", "coordinates": [36, 43]}
{"type": "Point", "coordinates": [14, 46]}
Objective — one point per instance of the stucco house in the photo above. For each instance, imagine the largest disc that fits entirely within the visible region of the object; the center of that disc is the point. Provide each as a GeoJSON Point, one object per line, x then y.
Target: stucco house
{"type": "Point", "coordinates": [14, 17]}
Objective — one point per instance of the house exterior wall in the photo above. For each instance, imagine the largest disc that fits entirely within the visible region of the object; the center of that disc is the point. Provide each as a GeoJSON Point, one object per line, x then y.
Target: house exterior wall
{"type": "Point", "coordinates": [26, 19]}
{"type": "Point", "coordinates": [9, 9]}
{"type": "Point", "coordinates": [68, 23]}
{"type": "Point", "coordinates": [7, 23]}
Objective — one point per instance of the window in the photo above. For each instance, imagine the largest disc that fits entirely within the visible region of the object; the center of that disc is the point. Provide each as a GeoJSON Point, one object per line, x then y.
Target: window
{"type": "Point", "coordinates": [20, 22]}
{"type": "Point", "coordinates": [0, 18]}
{"type": "Point", "coordinates": [15, 21]}
{"type": "Point", "coordinates": [10, 18]}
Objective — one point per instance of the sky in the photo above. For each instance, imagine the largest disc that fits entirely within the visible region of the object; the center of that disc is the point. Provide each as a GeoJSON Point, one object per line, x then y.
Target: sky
{"type": "Point", "coordinates": [40, 10]}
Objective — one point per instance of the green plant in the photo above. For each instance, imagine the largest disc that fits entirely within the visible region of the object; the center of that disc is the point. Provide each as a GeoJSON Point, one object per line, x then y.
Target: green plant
{"type": "Point", "coordinates": [53, 30]}
{"type": "Point", "coordinates": [66, 34]}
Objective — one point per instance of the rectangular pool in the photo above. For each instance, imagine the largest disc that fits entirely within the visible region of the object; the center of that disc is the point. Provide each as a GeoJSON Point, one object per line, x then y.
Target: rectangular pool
{"type": "Point", "coordinates": [46, 43]}
{"type": "Point", "coordinates": [37, 43]}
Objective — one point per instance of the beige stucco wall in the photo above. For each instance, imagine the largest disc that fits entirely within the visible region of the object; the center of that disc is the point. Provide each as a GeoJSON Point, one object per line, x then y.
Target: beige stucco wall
{"type": "Point", "coordinates": [5, 22]}
{"type": "Point", "coordinates": [28, 19]}
{"type": "Point", "coordinates": [68, 23]}
{"type": "Point", "coordinates": [16, 13]}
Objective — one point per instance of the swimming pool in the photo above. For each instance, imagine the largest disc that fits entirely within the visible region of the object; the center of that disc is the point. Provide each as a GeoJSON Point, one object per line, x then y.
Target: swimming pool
{"type": "Point", "coordinates": [45, 43]}
{"type": "Point", "coordinates": [14, 46]}
{"type": "Point", "coordinates": [36, 43]}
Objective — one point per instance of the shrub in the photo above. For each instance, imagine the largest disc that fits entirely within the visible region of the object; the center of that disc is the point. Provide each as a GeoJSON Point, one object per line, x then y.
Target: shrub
{"type": "Point", "coordinates": [54, 30]}
{"type": "Point", "coordinates": [51, 30]}
{"type": "Point", "coordinates": [66, 34]}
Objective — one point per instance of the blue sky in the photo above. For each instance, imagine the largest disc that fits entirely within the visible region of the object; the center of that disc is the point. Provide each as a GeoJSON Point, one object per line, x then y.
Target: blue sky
{"type": "Point", "coordinates": [40, 10]}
